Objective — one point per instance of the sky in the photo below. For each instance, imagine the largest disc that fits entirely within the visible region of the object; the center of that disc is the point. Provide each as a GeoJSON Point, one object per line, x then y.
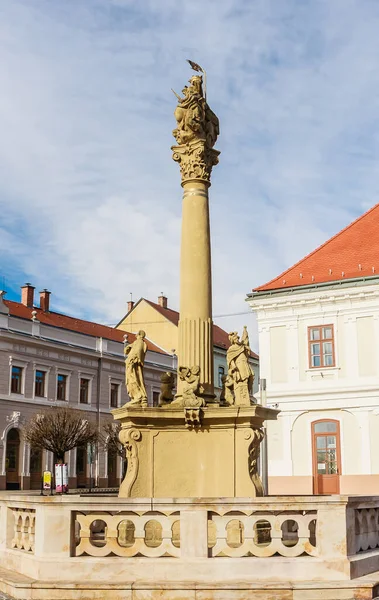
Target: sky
{"type": "Point", "coordinates": [90, 199]}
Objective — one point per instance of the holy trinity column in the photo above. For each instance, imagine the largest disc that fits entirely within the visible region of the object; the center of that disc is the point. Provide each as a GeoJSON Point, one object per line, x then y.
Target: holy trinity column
{"type": "Point", "coordinates": [196, 134]}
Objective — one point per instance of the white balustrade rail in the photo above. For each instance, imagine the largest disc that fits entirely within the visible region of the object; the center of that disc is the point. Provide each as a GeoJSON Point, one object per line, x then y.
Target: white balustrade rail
{"type": "Point", "coordinates": [127, 534]}
{"type": "Point", "coordinates": [23, 529]}
{"type": "Point", "coordinates": [366, 529]}
{"type": "Point", "coordinates": [81, 526]}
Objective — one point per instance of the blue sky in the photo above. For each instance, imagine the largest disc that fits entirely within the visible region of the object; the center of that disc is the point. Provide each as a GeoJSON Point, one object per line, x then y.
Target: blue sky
{"type": "Point", "coordinates": [90, 198]}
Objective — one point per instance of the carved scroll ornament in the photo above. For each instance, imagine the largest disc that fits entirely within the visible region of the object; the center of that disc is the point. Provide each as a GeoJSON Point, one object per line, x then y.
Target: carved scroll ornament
{"type": "Point", "coordinates": [256, 436]}
{"type": "Point", "coordinates": [129, 438]}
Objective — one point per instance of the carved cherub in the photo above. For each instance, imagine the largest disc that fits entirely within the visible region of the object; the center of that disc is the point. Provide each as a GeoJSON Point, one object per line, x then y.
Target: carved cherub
{"type": "Point", "coordinates": [191, 387]}
{"type": "Point", "coordinates": [167, 385]}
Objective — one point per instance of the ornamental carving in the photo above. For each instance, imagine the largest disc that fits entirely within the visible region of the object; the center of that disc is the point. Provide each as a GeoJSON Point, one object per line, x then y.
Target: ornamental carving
{"type": "Point", "coordinates": [196, 132]}
{"type": "Point", "coordinates": [195, 160]}
{"type": "Point", "coordinates": [190, 396]}
{"type": "Point", "coordinates": [129, 438]}
{"type": "Point", "coordinates": [192, 418]}
{"type": "Point", "coordinates": [253, 457]}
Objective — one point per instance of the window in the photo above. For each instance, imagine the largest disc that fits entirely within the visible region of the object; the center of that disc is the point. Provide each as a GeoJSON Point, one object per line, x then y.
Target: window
{"type": "Point", "coordinates": [39, 384]}
{"type": "Point", "coordinates": [155, 398]}
{"type": "Point", "coordinates": [84, 391]}
{"type": "Point", "coordinates": [35, 460]}
{"type": "Point", "coordinates": [61, 386]}
{"type": "Point", "coordinates": [114, 394]}
{"type": "Point", "coordinates": [16, 382]}
{"type": "Point", "coordinates": [321, 346]}
{"type": "Point", "coordinates": [221, 373]}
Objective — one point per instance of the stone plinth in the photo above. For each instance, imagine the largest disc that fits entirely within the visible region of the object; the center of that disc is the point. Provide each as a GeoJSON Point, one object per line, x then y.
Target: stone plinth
{"type": "Point", "coordinates": [191, 452]}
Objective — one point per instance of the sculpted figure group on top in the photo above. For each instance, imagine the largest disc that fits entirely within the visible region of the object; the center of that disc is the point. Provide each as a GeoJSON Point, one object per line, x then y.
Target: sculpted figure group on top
{"type": "Point", "coordinates": [237, 384]}
{"type": "Point", "coordinates": [196, 133]}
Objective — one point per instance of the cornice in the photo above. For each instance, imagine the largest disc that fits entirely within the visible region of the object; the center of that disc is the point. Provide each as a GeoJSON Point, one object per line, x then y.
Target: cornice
{"type": "Point", "coordinates": [316, 296]}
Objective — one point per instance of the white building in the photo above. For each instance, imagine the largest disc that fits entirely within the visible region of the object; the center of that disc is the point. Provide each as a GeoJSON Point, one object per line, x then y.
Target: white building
{"type": "Point", "coordinates": [319, 353]}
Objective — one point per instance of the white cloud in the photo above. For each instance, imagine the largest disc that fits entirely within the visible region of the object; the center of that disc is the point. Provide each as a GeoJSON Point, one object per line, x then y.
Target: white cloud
{"type": "Point", "coordinates": [89, 196]}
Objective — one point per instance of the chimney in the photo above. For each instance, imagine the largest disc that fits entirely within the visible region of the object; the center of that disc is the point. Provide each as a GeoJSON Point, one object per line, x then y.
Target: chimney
{"type": "Point", "coordinates": [130, 305]}
{"type": "Point", "coordinates": [27, 295]}
{"type": "Point", "coordinates": [162, 301]}
{"type": "Point", "coordinates": [44, 300]}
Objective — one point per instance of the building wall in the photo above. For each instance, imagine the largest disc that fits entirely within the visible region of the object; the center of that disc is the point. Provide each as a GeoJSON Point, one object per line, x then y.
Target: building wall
{"type": "Point", "coordinates": [34, 347]}
{"type": "Point", "coordinates": [347, 392]}
{"type": "Point", "coordinates": [158, 329]}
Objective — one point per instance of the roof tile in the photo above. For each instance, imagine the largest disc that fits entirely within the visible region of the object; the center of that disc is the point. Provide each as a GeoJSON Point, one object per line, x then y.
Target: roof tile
{"type": "Point", "coordinates": [350, 254]}
{"type": "Point", "coordinates": [16, 309]}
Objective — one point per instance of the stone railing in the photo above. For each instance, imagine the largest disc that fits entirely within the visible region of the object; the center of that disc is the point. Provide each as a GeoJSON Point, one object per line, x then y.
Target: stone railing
{"type": "Point", "coordinates": [366, 529]}
{"type": "Point", "coordinates": [264, 534]}
{"type": "Point", "coordinates": [23, 529]}
{"type": "Point", "coordinates": [339, 534]}
{"type": "Point", "coordinates": [127, 534]}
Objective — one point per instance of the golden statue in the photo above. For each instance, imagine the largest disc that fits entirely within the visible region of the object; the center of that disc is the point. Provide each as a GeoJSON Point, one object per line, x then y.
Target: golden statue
{"type": "Point", "coordinates": [196, 132]}
{"type": "Point", "coordinates": [239, 369]}
{"type": "Point", "coordinates": [134, 381]}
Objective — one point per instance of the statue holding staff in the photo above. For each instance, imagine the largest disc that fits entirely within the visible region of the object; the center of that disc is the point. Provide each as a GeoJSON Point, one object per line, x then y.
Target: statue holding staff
{"type": "Point", "coordinates": [239, 369]}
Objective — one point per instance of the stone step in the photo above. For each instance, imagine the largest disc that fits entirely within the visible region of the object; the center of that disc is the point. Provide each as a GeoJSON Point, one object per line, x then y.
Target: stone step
{"type": "Point", "coordinates": [17, 587]}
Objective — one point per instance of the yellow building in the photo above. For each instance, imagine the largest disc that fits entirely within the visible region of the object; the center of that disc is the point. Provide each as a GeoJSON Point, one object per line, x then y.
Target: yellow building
{"type": "Point", "coordinates": [161, 326]}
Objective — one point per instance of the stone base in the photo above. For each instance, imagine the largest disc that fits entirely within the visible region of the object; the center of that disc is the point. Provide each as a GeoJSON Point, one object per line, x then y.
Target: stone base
{"type": "Point", "coordinates": [190, 453]}
{"type": "Point", "coordinates": [23, 588]}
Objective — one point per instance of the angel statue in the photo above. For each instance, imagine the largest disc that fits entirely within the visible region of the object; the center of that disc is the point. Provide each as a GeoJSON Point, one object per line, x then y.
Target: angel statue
{"type": "Point", "coordinates": [134, 381]}
{"type": "Point", "coordinates": [239, 369]}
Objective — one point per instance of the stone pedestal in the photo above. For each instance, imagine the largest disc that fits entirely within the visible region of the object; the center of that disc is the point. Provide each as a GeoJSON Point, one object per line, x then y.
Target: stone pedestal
{"type": "Point", "coordinates": [191, 452]}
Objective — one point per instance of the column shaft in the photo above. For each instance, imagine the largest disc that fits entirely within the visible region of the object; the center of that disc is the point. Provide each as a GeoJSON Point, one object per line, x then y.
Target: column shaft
{"type": "Point", "coordinates": [195, 324]}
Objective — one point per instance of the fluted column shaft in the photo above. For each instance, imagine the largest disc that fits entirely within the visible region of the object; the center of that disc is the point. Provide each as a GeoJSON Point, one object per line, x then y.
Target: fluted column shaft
{"type": "Point", "coordinates": [195, 324]}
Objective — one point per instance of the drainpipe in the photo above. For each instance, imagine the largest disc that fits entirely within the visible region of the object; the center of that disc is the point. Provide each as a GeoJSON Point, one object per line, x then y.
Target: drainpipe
{"type": "Point", "coordinates": [264, 455]}
{"type": "Point", "coordinates": [98, 392]}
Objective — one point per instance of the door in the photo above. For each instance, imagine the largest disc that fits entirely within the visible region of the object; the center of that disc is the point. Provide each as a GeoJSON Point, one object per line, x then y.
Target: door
{"type": "Point", "coordinates": [81, 467]}
{"type": "Point", "coordinates": [112, 469]}
{"type": "Point", "coordinates": [12, 460]}
{"type": "Point", "coordinates": [326, 457]}
{"type": "Point", "coordinates": [35, 468]}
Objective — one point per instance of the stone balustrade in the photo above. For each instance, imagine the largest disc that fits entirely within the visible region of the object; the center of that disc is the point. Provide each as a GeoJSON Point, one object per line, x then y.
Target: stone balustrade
{"type": "Point", "coordinates": [336, 534]}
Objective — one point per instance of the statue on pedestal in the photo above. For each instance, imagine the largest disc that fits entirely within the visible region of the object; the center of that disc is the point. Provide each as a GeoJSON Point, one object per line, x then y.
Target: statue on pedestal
{"type": "Point", "coordinates": [134, 380]}
{"type": "Point", "coordinates": [239, 369]}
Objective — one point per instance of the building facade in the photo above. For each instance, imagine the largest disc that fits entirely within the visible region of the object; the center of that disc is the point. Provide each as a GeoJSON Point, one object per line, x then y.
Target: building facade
{"type": "Point", "coordinates": [49, 359]}
{"type": "Point", "coordinates": [319, 353]}
{"type": "Point", "coordinates": [161, 325]}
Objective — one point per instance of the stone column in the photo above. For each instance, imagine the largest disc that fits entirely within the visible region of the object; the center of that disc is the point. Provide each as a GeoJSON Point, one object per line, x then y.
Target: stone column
{"type": "Point", "coordinates": [196, 134]}
{"type": "Point", "coordinates": [195, 323]}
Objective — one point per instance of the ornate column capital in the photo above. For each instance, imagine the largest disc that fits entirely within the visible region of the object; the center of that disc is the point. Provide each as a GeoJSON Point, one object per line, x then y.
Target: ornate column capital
{"type": "Point", "coordinates": [195, 160]}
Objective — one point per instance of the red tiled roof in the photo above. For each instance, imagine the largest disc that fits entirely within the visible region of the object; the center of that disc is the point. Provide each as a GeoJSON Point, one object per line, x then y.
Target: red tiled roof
{"type": "Point", "coordinates": [16, 309]}
{"type": "Point", "coordinates": [351, 253]}
{"type": "Point", "coordinates": [220, 336]}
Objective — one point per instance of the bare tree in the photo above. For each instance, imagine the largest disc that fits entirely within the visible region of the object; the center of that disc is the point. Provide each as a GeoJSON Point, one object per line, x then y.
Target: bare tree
{"type": "Point", "coordinates": [60, 430]}
{"type": "Point", "coordinates": [111, 442]}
